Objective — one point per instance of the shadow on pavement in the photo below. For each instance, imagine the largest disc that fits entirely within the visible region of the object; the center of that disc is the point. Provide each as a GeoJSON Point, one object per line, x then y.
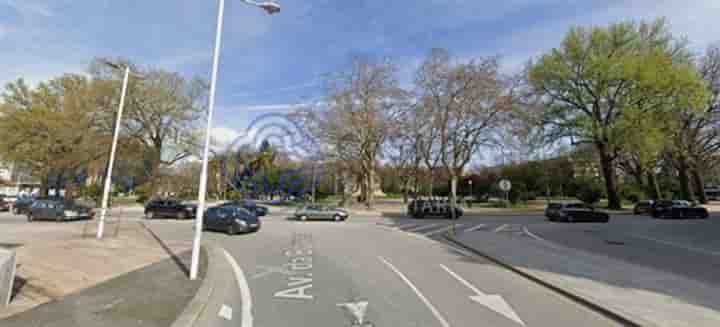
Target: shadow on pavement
{"type": "Point", "coordinates": [172, 255]}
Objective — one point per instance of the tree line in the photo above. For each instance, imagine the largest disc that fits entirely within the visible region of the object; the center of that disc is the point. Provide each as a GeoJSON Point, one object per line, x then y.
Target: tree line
{"type": "Point", "coordinates": [632, 94]}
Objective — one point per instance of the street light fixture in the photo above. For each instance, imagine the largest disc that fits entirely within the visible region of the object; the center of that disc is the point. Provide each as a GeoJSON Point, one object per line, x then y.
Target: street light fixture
{"type": "Point", "coordinates": [271, 8]}
{"type": "Point", "coordinates": [113, 148]}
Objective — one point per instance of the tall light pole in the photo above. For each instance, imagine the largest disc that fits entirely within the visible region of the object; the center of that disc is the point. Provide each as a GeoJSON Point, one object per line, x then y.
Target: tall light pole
{"type": "Point", "coordinates": [113, 148]}
{"type": "Point", "coordinates": [271, 8]}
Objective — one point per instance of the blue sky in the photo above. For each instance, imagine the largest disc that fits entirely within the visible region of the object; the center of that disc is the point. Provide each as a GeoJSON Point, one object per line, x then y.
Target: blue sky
{"type": "Point", "coordinates": [271, 62]}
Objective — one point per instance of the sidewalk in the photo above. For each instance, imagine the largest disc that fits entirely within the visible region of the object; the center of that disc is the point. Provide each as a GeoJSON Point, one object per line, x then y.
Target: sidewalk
{"type": "Point", "coordinates": [642, 295]}
{"type": "Point", "coordinates": [148, 297]}
{"type": "Point", "coordinates": [54, 260]}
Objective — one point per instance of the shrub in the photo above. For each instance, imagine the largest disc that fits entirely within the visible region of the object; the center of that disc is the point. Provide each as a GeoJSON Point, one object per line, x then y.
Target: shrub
{"type": "Point", "coordinates": [589, 193]}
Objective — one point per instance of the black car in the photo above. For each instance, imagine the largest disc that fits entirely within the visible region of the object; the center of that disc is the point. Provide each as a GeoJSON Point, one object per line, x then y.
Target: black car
{"type": "Point", "coordinates": [4, 205]}
{"type": "Point", "coordinates": [230, 219]}
{"type": "Point", "coordinates": [432, 208]}
{"type": "Point", "coordinates": [677, 209]}
{"type": "Point", "coordinates": [58, 210]}
{"type": "Point", "coordinates": [169, 209]}
{"type": "Point", "coordinates": [575, 212]}
{"type": "Point", "coordinates": [249, 205]}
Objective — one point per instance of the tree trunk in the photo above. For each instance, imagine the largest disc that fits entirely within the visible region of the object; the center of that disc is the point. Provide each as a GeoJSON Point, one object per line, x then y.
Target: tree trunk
{"type": "Point", "coordinates": [653, 186]}
{"type": "Point", "coordinates": [370, 197]}
{"type": "Point", "coordinates": [684, 179]}
{"type": "Point", "coordinates": [699, 186]}
{"type": "Point", "coordinates": [606, 164]}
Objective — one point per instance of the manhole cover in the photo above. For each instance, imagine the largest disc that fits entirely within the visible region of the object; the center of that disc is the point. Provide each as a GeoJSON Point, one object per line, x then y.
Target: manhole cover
{"type": "Point", "coordinates": [10, 245]}
{"type": "Point", "coordinates": [615, 242]}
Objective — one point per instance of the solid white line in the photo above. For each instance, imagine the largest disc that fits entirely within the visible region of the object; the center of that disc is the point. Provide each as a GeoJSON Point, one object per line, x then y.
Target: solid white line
{"type": "Point", "coordinates": [225, 312]}
{"type": "Point", "coordinates": [444, 229]}
{"type": "Point", "coordinates": [421, 228]}
{"type": "Point", "coordinates": [246, 309]}
{"type": "Point", "coordinates": [499, 229]}
{"type": "Point", "coordinates": [463, 281]}
{"type": "Point", "coordinates": [474, 228]}
{"type": "Point", "coordinates": [427, 303]}
{"type": "Point", "coordinates": [689, 248]}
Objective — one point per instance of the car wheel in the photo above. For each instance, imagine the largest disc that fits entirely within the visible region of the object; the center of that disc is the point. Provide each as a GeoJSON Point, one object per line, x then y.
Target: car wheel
{"type": "Point", "coordinates": [149, 215]}
{"type": "Point", "coordinates": [231, 230]}
{"type": "Point", "coordinates": [16, 211]}
{"type": "Point", "coordinates": [337, 218]}
{"type": "Point", "coordinates": [182, 215]}
{"type": "Point", "coordinates": [30, 217]}
{"type": "Point", "coordinates": [303, 218]}
{"type": "Point", "coordinates": [59, 219]}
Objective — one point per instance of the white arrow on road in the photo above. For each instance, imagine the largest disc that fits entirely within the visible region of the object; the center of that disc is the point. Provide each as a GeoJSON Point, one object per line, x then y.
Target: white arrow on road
{"type": "Point", "coordinates": [357, 310]}
{"type": "Point", "coordinates": [493, 302]}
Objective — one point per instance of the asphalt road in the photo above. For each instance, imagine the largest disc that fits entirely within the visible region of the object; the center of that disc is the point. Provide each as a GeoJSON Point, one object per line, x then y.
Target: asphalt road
{"type": "Point", "coordinates": [375, 272]}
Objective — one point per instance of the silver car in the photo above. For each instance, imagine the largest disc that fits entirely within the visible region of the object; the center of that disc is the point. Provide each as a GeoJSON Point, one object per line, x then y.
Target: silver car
{"type": "Point", "coordinates": [317, 212]}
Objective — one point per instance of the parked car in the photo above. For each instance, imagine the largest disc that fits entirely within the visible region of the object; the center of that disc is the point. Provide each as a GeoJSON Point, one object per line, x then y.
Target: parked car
{"type": "Point", "coordinates": [575, 212]}
{"type": "Point", "coordinates": [430, 208]}
{"type": "Point", "coordinates": [249, 205]}
{"type": "Point", "coordinates": [643, 207]}
{"type": "Point", "coordinates": [318, 212]}
{"type": "Point", "coordinates": [21, 206]}
{"type": "Point", "coordinates": [169, 208]}
{"type": "Point", "coordinates": [4, 205]}
{"type": "Point", "coordinates": [230, 219]}
{"type": "Point", "coordinates": [58, 210]}
{"type": "Point", "coordinates": [677, 209]}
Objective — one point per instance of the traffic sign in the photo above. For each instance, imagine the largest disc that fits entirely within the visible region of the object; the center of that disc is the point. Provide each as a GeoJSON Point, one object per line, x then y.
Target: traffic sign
{"type": "Point", "coordinates": [505, 185]}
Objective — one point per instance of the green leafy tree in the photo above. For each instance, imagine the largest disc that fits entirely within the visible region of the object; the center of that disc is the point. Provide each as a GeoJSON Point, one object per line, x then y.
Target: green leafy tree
{"type": "Point", "coordinates": [597, 74]}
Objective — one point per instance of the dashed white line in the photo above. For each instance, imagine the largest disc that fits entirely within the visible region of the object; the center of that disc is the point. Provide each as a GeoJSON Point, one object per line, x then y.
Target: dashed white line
{"type": "Point", "coordinates": [529, 233]}
{"type": "Point", "coordinates": [499, 229]}
{"type": "Point", "coordinates": [474, 228]}
{"type": "Point", "coordinates": [246, 309]}
{"type": "Point", "coordinates": [225, 312]}
{"type": "Point", "coordinates": [421, 228]}
{"type": "Point", "coordinates": [444, 229]}
{"type": "Point", "coordinates": [682, 246]}
{"type": "Point", "coordinates": [425, 301]}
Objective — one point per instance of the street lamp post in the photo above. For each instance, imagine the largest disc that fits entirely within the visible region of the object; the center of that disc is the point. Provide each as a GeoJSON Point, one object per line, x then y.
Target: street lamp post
{"type": "Point", "coordinates": [271, 8]}
{"type": "Point", "coordinates": [113, 147]}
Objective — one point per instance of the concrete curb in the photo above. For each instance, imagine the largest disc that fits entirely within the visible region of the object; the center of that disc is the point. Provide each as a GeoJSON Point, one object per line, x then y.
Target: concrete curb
{"type": "Point", "coordinates": [197, 304]}
{"type": "Point", "coordinates": [611, 312]}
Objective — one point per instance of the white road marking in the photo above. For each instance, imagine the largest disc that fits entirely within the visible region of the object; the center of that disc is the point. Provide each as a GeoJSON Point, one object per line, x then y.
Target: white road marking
{"type": "Point", "coordinates": [421, 228]}
{"type": "Point", "coordinates": [499, 229]}
{"type": "Point", "coordinates": [410, 225]}
{"type": "Point", "coordinates": [225, 312]}
{"type": "Point", "coordinates": [474, 228]}
{"type": "Point", "coordinates": [493, 302]}
{"type": "Point", "coordinates": [427, 303]}
{"type": "Point", "coordinates": [682, 246]}
{"type": "Point", "coordinates": [357, 310]}
{"type": "Point", "coordinates": [444, 229]}
{"type": "Point", "coordinates": [246, 309]}
{"type": "Point", "coordinates": [529, 233]}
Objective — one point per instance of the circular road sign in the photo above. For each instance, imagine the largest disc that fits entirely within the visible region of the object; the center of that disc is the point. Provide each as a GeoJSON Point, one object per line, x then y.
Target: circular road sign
{"type": "Point", "coordinates": [505, 185]}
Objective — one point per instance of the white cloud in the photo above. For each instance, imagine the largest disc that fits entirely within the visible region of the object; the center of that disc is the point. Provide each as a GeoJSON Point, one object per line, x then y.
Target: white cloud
{"type": "Point", "coordinates": [223, 136]}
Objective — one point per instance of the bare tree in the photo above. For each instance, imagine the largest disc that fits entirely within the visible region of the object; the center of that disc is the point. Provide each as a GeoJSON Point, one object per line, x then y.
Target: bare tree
{"type": "Point", "coordinates": [352, 124]}
{"type": "Point", "coordinates": [467, 103]}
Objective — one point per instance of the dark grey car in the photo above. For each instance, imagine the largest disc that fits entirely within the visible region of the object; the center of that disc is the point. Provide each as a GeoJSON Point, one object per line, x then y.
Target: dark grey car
{"type": "Point", "coordinates": [230, 219]}
{"type": "Point", "coordinates": [58, 211]}
{"type": "Point", "coordinates": [317, 212]}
